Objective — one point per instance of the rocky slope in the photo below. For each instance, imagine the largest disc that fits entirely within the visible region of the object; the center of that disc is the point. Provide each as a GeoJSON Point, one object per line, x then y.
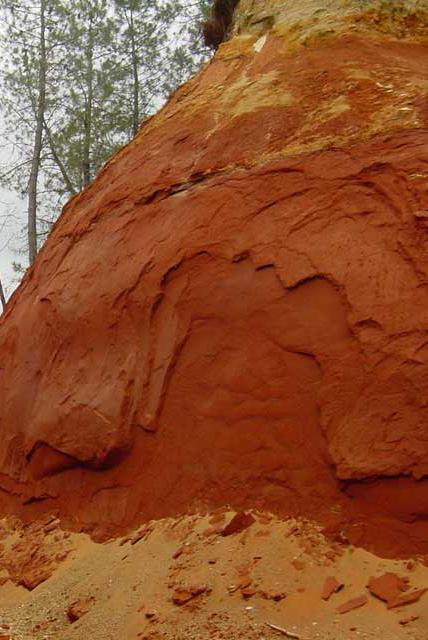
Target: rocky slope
{"type": "Point", "coordinates": [199, 578]}
{"type": "Point", "coordinates": [235, 311]}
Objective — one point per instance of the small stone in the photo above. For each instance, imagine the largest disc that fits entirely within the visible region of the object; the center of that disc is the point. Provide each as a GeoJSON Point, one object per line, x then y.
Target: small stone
{"type": "Point", "coordinates": [217, 518]}
{"type": "Point", "coordinates": [355, 603]}
{"type": "Point", "coordinates": [79, 608]}
{"type": "Point", "coordinates": [298, 564]}
{"type": "Point", "coordinates": [388, 586]}
{"type": "Point", "coordinates": [405, 621]}
{"type": "Point", "coordinates": [331, 585]}
{"type": "Point", "coordinates": [182, 595]}
{"type": "Point", "coordinates": [242, 584]}
{"type": "Point", "coordinates": [276, 596]}
{"type": "Point", "coordinates": [33, 577]}
{"type": "Point", "coordinates": [50, 527]}
{"type": "Point", "coordinates": [239, 522]}
{"type": "Point", "coordinates": [407, 598]}
{"type": "Point", "coordinates": [141, 535]}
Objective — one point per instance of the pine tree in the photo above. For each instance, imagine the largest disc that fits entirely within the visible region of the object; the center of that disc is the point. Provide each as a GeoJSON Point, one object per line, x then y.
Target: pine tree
{"type": "Point", "coordinates": [31, 34]}
{"type": "Point", "coordinates": [81, 75]}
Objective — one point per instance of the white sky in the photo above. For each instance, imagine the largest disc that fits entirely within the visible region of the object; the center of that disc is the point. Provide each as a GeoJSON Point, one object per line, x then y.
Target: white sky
{"type": "Point", "coordinates": [12, 218]}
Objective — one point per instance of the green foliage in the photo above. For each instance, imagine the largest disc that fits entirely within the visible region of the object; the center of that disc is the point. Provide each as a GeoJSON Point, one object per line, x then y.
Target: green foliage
{"type": "Point", "coordinates": [109, 64]}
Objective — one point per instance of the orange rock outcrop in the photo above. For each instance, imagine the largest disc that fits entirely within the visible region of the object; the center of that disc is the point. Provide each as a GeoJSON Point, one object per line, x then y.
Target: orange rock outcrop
{"type": "Point", "coordinates": [236, 310]}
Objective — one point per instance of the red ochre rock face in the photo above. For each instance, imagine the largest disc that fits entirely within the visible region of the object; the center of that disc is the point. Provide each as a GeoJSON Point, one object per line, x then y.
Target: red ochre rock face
{"type": "Point", "coordinates": [236, 310]}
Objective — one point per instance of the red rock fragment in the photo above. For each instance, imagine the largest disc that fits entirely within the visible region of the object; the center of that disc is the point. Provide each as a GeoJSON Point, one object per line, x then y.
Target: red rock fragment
{"type": "Point", "coordinates": [40, 626]}
{"type": "Point", "coordinates": [141, 535]}
{"type": "Point", "coordinates": [242, 584]}
{"type": "Point", "coordinates": [405, 621]}
{"type": "Point", "coordinates": [331, 585]}
{"type": "Point", "coordinates": [211, 531]}
{"type": "Point", "coordinates": [33, 577]}
{"type": "Point", "coordinates": [217, 519]}
{"type": "Point", "coordinates": [355, 603]}
{"type": "Point", "coordinates": [248, 592]}
{"type": "Point", "coordinates": [79, 608]}
{"type": "Point", "coordinates": [388, 586]}
{"type": "Point", "coordinates": [275, 596]}
{"type": "Point", "coordinates": [298, 564]}
{"type": "Point", "coordinates": [239, 522]}
{"type": "Point", "coordinates": [50, 527]}
{"type": "Point", "coordinates": [125, 540]}
{"type": "Point", "coordinates": [178, 553]}
{"type": "Point", "coordinates": [185, 594]}
{"type": "Point", "coordinates": [407, 598]}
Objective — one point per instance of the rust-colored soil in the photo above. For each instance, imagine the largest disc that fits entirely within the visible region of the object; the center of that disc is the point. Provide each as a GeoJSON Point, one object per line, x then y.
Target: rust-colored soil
{"type": "Point", "coordinates": [181, 579]}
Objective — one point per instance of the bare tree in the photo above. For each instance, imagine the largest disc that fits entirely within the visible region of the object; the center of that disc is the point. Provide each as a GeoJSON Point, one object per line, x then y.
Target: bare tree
{"type": "Point", "coordinates": [38, 135]}
{"type": "Point", "coordinates": [2, 296]}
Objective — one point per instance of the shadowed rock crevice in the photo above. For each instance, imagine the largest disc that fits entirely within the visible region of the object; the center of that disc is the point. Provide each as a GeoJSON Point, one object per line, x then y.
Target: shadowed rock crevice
{"type": "Point", "coordinates": [216, 29]}
{"type": "Point", "coordinates": [44, 460]}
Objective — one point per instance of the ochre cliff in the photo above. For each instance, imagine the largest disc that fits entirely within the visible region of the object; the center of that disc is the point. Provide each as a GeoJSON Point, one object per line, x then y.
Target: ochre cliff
{"type": "Point", "coordinates": [236, 310]}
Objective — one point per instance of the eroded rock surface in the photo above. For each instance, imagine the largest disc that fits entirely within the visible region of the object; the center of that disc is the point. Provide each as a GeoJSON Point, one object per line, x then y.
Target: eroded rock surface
{"type": "Point", "coordinates": [235, 311]}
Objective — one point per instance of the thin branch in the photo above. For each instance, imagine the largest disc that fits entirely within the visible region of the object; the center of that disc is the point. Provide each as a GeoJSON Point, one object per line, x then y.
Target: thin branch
{"type": "Point", "coordinates": [2, 296]}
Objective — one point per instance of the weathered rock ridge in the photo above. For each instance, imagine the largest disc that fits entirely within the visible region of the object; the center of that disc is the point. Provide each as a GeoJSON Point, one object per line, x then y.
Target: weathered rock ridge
{"type": "Point", "coordinates": [236, 309]}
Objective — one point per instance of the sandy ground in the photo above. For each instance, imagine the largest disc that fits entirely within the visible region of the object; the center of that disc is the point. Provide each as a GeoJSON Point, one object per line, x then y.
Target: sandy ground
{"type": "Point", "coordinates": [272, 572]}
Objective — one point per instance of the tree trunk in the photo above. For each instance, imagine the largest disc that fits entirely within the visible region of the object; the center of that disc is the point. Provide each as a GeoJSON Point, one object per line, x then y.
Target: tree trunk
{"type": "Point", "coordinates": [2, 296]}
{"type": "Point", "coordinates": [58, 161]}
{"type": "Point", "coordinates": [136, 85]}
{"type": "Point", "coordinates": [35, 163]}
{"type": "Point", "coordinates": [88, 107]}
